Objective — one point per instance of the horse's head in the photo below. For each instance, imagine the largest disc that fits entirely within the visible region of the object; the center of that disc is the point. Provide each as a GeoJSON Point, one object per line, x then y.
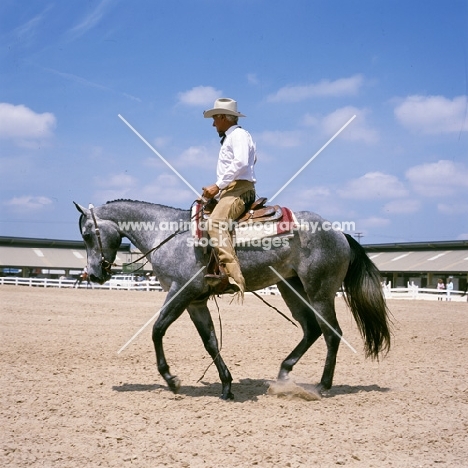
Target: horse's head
{"type": "Point", "coordinates": [102, 239]}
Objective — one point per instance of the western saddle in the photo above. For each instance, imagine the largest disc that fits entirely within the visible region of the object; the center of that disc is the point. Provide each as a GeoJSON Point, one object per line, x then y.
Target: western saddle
{"type": "Point", "coordinates": [257, 211]}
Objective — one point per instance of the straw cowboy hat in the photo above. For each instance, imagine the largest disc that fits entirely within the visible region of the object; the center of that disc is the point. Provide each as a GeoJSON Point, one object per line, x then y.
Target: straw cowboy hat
{"type": "Point", "coordinates": [223, 106]}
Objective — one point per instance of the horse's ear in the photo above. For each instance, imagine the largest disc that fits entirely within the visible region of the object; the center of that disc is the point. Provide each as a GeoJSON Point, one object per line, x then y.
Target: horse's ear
{"type": "Point", "coordinates": [81, 209]}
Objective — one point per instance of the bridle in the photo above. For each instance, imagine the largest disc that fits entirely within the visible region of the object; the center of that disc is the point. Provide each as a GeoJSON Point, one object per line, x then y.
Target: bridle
{"type": "Point", "coordinates": [105, 265]}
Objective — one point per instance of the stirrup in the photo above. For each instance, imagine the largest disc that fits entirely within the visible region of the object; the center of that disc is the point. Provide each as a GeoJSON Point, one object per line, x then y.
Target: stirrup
{"type": "Point", "coordinates": [214, 279]}
{"type": "Point", "coordinates": [220, 284]}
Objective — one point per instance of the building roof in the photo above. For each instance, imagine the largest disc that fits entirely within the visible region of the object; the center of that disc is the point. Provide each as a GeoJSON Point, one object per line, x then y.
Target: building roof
{"type": "Point", "coordinates": [55, 243]}
{"type": "Point", "coordinates": [19, 252]}
{"type": "Point", "coordinates": [56, 258]}
{"type": "Point", "coordinates": [417, 257]}
{"type": "Point", "coordinates": [420, 257]}
{"type": "Point", "coordinates": [420, 261]}
{"type": "Point", "coordinates": [414, 246]}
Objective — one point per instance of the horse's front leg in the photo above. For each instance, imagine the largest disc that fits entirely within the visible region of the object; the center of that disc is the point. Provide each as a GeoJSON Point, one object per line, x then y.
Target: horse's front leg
{"type": "Point", "coordinates": [171, 311]}
{"type": "Point", "coordinates": [200, 315]}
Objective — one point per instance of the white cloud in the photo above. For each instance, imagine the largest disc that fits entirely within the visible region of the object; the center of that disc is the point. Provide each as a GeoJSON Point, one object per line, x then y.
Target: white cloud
{"type": "Point", "coordinates": [103, 196]}
{"type": "Point", "coordinates": [197, 156]}
{"type": "Point", "coordinates": [28, 203]}
{"type": "Point", "coordinates": [252, 78]}
{"type": "Point", "coordinates": [153, 162]}
{"type": "Point", "coordinates": [358, 129]}
{"type": "Point", "coordinates": [317, 198]}
{"type": "Point", "coordinates": [282, 139]}
{"type": "Point", "coordinates": [91, 84]}
{"type": "Point", "coordinates": [310, 120]}
{"type": "Point", "coordinates": [320, 199]}
{"type": "Point", "coordinates": [121, 180]}
{"type": "Point", "coordinates": [194, 156]}
{"type": "Point", "coordinates": [114, 186]}
{"type": "Point", "coordinates": [341, 87]}
{"type": "Point", "coordinates": [26, 32]}
{"type": "Point", "coordinates": [199, 96]}
{"type": "Point", "coordinates": [402, 206]}
{"type": "Point", "coordinates": [373, 222]}
{"type": "Point", "coordinates": [453, 209]}
{"type": "Point", "coordinates": [96, 152]}
{"type": "Point", "coordinates": [22, 125]}
{"type": "Point", "coordinates": [161, 142]}
{"type": "Point", "coordinates": [433, 114]}
{"type": "Point", "coordinates": [167, 189]}
{"type": "Point", "coordinates": [316, 192]}
{"type": "Point", "coordinates": [374, 185]}
{"type": "Point", "coordinates": [367, 226]}
{"type": "Point", "coordinates": [91, 20]}
{"type": "Point", "coordinates": [441, 179]}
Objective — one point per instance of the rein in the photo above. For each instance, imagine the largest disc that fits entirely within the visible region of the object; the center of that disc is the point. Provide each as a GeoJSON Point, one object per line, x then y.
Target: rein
{"type": "Point", "coordinates": [107, 266]}
{"type": "Point", "coordinates": [167, 239]}
{"type": "Point", "coordinates": [272, 307]}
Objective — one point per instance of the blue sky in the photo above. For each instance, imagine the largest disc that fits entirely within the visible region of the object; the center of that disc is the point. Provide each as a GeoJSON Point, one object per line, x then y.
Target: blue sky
{"type": "Point", "coordinates": [299, 71]}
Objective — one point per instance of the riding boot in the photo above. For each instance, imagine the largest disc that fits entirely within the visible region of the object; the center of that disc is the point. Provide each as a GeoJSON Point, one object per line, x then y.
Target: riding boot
{"type": "Point", "coordinates": [236, 279]}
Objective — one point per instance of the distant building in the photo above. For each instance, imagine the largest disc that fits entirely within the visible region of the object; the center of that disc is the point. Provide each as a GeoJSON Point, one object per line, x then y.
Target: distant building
{"type": "Point", "coordinates": [31, 257]}
{"type": "Point", "coordinates": [422, 263]}
{"type": "Point", "coordinates": [401, 263]}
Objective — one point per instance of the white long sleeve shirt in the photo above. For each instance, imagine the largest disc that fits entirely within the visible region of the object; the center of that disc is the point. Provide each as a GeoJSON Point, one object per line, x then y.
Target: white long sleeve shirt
{"type": "Point", "coordinates": [237, 158]}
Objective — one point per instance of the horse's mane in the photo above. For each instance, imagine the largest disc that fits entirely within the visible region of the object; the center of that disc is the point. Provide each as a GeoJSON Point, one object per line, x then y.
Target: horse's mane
{"type": "Point", "coordinates": [145, 202]}
{"type": "Point", "coordinates": [128, 200]}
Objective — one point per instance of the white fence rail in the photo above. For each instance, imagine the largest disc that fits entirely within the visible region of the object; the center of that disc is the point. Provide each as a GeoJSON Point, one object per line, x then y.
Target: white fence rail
{"type": "Point", "coordinates": [429, 294]}
{"type": "Point", "coordinates": [410, 292]}
{"type": "Point", "coordinates": [67, 283]}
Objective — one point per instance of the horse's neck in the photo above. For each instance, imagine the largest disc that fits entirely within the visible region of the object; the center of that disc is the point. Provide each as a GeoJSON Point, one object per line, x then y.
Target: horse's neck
{"type": "Point", "coordinates": [144, 224]}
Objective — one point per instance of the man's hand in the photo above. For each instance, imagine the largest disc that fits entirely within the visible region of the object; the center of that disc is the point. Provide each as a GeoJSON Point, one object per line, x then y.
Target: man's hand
{"type": "Point", "coordinates": [210, 191]}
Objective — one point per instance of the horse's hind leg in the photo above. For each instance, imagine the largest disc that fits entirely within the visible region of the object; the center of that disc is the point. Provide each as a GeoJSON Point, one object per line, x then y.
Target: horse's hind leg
{"type": "Point", "coordinates": [324, 307]}
{"type": "Point", "coordinates": [305, 316]}
{"type": "Point", "coordinates": [312, 318]}
{"type": "Point", "coordinates": [201, 317]}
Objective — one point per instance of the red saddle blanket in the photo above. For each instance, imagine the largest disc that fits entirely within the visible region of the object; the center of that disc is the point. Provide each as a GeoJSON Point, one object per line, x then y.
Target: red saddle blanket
{"type": "Point", "coordinates": [280, 221]}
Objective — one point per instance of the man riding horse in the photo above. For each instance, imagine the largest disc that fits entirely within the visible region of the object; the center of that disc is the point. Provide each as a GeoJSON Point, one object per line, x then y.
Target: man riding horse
{"type": "Point", "coordinates": [235, 187]}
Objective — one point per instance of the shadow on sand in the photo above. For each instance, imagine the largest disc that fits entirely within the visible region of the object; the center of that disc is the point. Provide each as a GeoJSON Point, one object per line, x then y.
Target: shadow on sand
{"type": "Point", "coordinates": [244, 390]}
{"type": "Point", "coordinates": [349, 390]}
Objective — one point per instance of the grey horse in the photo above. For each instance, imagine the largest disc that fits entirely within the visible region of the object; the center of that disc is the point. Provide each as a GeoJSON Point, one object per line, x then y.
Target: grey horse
{"type": "Point", "coordinates": [309, 269]}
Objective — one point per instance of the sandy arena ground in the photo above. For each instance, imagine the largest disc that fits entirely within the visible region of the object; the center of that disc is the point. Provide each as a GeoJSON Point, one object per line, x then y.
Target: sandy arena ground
{"type": "Point", "coordinates": [68, 399]}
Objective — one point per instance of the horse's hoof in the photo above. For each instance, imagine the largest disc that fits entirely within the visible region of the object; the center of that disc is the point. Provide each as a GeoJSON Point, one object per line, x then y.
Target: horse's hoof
{"type": "Point", "coordinates": [227, 397]}
{"type": "Point", "coordinates": [174, 384]}
{"type": "Point", "coordinates": [283, 376]}
{"type": "Point", "coordinates": [322, 389]}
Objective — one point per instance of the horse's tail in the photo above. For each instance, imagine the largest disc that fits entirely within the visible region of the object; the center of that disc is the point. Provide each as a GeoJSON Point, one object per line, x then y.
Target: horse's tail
{"type": "Point", "coordinates": [364, 296]}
